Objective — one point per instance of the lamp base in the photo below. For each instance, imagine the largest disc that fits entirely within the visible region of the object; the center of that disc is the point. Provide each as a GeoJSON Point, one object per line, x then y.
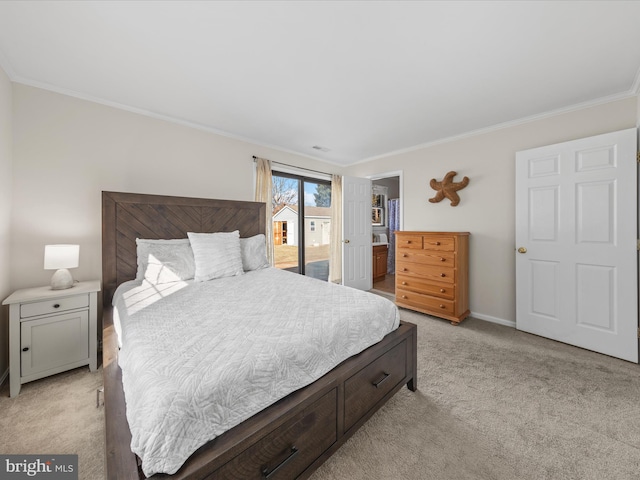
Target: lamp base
{"type": "Point", "coordinates": [61, 280]}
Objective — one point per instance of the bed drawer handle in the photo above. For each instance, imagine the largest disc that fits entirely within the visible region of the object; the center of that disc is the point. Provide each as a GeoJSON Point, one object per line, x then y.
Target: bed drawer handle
{"type": "Point", "coordinates": [379, 382]}
{"type": "Point", "coordinates": [268, 474]}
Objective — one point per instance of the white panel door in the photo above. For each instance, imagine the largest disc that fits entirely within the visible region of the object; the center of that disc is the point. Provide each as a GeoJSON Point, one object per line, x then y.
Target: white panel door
{"type": "Point", "coordinates": [356, 232]}
{"type": "Point", "coordinates": [576, 243]}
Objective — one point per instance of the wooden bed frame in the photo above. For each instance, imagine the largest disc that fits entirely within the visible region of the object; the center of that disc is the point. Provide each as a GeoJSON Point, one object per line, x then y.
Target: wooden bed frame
{"type": "Point", "coordinates": [289, 439]}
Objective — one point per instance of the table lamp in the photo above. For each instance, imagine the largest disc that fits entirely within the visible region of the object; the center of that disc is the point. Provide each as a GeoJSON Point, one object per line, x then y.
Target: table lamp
{"type": "Point", "coordinates": [60, 258]}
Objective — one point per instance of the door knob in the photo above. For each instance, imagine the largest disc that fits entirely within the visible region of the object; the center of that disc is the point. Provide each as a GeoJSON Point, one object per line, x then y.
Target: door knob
{"type": "Point", "coordinates": [522, 250]}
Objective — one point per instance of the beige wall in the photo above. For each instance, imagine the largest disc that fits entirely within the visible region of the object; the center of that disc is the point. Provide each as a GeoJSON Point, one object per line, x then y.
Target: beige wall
{"type": "Point", "coordinates": [67, 150]}
{"type": "Point", "coordinates": [6, 135]}
{"type": "Point", "coordinates": [486, 208]}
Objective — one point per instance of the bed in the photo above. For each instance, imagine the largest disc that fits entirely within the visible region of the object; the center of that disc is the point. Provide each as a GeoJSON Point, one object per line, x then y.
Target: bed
{"type": "Point", "coordinates": [287, 439]}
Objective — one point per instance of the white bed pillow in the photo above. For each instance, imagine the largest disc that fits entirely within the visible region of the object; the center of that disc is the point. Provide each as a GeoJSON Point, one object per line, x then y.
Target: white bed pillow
{"type": "Point", "coordinates": [216, 255]}
{"type": "Point", "coordinates": [164, 261]}
{"type": "Point", "coordinates": [254, 252]}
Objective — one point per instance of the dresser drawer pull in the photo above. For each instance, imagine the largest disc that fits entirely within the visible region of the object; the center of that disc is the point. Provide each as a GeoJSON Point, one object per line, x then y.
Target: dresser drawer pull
{"type": "Point", "coordinates": [404, 283]}
{"type": "Point", "coordinates": [377, 384]}
{"type": "Point", "coordinates": [57, 305]}
{"type": "Point", "coordinates": [442, 275]}
{"type": "Point", "coordinates": [266, 473]}
{"type": "Point", "coordinates": [25, 349]}
{"type": "Point", "coordinates": [442, 290]}
{"type": "Point", "coordinates": [408, 241]}
{"type": "Point", "coordinates": [442, 259]}
{"type": "Point", "coordinates": [436, 243]}
{"type": "Point", "coordinates": [405, 255]}
{"type": "Point", "coordinates": [404, 270]}
{"type": "Point", "coordinates": [404, 296]}
{"type": "Point", "coordinates": [442, 306]}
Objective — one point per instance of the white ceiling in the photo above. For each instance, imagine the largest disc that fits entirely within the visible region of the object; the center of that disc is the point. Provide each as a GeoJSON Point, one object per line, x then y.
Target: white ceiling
{"type": "Point", "coordinates": [363, 79]}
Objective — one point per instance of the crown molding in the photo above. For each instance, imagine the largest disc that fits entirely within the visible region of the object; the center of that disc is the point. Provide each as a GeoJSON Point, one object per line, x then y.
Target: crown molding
{"type": "Point", "coordinates": [513, 123]}
{"type": "Point", "coordinates": [6, 66]}
{"type": "Point", "coordinates": [635, 88]}
{"type": "Point", "coordinates": [634, 91]}
{"type": "Point", "coordinates": [159, 116]}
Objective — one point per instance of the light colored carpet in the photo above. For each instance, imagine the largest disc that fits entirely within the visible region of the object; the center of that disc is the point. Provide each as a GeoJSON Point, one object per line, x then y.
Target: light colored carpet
{"type": "Point", "coordinates": [492, 403]}
{"type": "Point", "coordinates": [56, 415]}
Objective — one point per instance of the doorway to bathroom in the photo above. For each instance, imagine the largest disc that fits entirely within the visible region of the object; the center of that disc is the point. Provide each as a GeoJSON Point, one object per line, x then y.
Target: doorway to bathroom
{"type": "Point", "coordinates": [386, 219]}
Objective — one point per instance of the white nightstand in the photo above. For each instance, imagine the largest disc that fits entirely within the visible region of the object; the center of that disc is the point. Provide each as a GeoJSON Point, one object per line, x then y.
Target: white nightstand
{"type": "Point", "coordinates": [51, 331]}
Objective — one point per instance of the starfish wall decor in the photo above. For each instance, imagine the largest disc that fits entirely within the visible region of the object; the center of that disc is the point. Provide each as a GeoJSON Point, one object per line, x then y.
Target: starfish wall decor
{"type": "Point", "coordinates": [448, 188]}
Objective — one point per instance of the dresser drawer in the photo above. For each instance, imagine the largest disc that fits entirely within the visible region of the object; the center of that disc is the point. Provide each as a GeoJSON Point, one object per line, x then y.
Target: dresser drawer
{"type": "Point", "coordinates": [409, 241]}
{"type": "Point", "coordinates": [367, 387]}
{"type": "Point", "coordinates": [445, 244]}
{"type": "Point", "coordinates": [437, 289]}
{"type": "Point", "coordinates": [427, 257]}
{"type": "Point", "coordinates": [57, 305]}
{"type": "Point", "coordinates": [428, 272]}
{"type": "Point", "coordinates": [421, 301]}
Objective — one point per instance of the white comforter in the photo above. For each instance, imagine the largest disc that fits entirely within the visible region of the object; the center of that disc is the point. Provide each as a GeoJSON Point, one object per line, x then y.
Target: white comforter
{"type": "Point", "coordinates": [198, 358]}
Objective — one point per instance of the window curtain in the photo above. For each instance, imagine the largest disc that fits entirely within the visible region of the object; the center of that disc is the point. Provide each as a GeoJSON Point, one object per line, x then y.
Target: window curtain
{"type": "Point", "coordinates": [264, 194]}
{"type": "Point", "coordinates": [335, 240]}
{"type": "Point", "coordinates": [394, 224]}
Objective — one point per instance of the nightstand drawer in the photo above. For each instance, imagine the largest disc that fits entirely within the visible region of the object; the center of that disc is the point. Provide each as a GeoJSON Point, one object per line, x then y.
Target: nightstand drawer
{"type": "Point", "coordinates": [54, 305]}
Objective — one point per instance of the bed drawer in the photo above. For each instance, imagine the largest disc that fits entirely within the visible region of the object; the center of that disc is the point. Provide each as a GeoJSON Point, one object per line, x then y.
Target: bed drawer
{"type": "Point", "coordinates": [367, 387]}
{"type": "Point", "coordinates": [404, 298]}
{"type": "Point", "coordinates": [287, 451]}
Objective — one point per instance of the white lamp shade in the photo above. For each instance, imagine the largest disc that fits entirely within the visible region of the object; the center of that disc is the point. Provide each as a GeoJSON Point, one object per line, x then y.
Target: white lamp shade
{"type": "Point", "coordinates": [61, 256]}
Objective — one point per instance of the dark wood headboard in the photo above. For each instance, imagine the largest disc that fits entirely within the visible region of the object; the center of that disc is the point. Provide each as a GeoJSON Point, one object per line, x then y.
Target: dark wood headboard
{"type": "Point", "coordinates": [127, 216]}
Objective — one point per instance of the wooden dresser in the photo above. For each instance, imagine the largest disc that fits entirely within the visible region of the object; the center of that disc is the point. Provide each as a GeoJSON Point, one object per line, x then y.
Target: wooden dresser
{"type": "Point", "coordinates": [432, 273]}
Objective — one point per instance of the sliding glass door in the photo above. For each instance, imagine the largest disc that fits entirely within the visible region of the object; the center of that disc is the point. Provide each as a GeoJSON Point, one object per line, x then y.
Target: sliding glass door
{"type": "Point", "coordinates": [301, 224]}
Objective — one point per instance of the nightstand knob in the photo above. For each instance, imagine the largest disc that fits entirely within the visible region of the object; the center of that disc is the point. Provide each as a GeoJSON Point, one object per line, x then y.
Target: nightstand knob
{"type": "Point", "coordinates": [441, 259]}
{"type": "Point", "coordinates": [442, 275]}
{"type": "Point", "coordinates": [404, 296]}
{"type": "Point", "coordinates": [441, 306]}
{"type": "Point", "coordinates": [442, 290]}
{"type": "Point", "coordinates": [57, 305]}
{"type": "Point", "coordinates": [436, 243]}
{"type": "Point", "coordinates": [404, 283]}
{"type": "Point", "coordinates": [25, 349]}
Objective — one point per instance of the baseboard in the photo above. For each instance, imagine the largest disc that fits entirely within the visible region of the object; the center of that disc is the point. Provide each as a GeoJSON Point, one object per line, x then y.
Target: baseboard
{"type": "Point", "coordinates": [4, 376]}
{"type": "Point", "coordinates": [489, 318]}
